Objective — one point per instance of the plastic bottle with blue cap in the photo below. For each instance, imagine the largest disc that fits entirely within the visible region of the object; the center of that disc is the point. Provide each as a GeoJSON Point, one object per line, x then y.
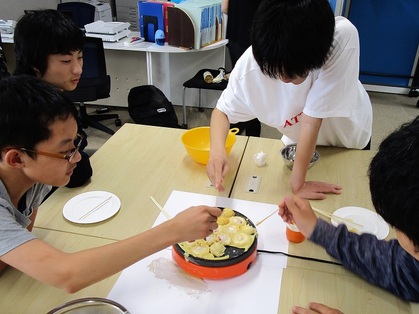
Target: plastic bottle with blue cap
{"type": "Point", "coordinates": [159, 37]}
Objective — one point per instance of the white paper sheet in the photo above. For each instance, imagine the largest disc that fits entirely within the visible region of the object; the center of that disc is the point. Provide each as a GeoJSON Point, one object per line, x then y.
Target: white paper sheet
{"type": "Point", "coordinates": [144, 288]}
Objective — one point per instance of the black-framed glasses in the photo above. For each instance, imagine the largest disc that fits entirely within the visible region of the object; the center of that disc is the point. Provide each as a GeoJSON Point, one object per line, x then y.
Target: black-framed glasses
{"type": "Point", "coordinates": [77, 143]}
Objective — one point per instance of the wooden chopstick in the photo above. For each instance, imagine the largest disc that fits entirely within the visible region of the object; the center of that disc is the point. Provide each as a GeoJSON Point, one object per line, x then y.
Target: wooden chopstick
{"type": "Point", "coordinates": [95, 208]}
{"type": "Point", "coordinates": [164, 212]}
{"type": "Point", "coordinates": [337, 218]}
{"type": "Point", "coordinates": [324, 213]}
{"type": "Point", "coordinates": [258, 223]}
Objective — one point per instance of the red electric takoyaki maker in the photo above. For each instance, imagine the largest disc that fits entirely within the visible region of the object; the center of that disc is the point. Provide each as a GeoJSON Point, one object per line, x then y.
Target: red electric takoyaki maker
{"type": "Point", "coordinates": [238, 262]}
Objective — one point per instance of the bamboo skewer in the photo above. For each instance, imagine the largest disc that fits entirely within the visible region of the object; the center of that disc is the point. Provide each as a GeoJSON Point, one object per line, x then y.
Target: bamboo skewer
{"type": "Point", "coordinates": [324, 213]}
{"type": "Point", "coordinates": [258, 223]}
{"type": "Point", "coordinates": [95, 208]}
{"type": "Point", "coordinates": [164, 212]}
{"type": "Point", "coordinates": [337, 218]}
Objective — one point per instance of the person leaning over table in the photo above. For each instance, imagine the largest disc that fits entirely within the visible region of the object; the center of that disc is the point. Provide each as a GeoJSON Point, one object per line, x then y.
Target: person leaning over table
{"type": "Point", "coordinates": [49, 45]}
{"type": "Point", "coordinates": [394, 184]}
{"type": "Point", "coordinates": [37, 131]}
{"type": "Point", "coordinates": [300, 76]}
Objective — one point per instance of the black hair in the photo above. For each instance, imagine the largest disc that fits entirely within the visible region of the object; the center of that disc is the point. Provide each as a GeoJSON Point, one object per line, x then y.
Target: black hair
{"type": "Point", "coordinates": [394, 180]}
{"type": "Point", "coordinates": [292, 37]}
{"type": "Point", "coordinates": [39, 34]}
{"type": "Point", "coordinates": [28, 106]}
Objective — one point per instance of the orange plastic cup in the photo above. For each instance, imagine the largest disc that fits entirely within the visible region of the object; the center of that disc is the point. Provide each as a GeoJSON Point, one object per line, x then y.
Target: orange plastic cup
{"type": "Point", "coordinates": [293, 234]}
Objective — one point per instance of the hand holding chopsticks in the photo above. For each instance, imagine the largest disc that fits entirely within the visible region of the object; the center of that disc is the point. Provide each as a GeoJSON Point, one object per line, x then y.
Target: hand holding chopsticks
{"type": "Point", "coordinates": [350, 222]}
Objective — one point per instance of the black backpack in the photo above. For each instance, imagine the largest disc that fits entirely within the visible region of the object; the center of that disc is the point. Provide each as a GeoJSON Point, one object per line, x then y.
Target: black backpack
{"type": "Point", "coordinates": [148, 105]}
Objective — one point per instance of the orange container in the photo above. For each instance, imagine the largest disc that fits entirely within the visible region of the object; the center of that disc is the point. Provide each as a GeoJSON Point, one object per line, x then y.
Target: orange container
{"type": "Point", "coordinates": [293, 234]}
{"type": "Point", "coordinates": [197, 142]}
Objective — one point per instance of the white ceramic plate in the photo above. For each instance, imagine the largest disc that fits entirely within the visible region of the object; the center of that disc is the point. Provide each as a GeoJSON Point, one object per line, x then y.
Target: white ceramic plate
{"type": "Point", "coordinates": [371, 222]}
{"type": "Point", "coordinates": [91, 207]}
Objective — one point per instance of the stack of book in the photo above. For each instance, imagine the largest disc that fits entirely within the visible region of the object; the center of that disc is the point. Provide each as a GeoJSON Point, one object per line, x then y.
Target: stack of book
{"type": "Point", "coordinates": [190, 24]}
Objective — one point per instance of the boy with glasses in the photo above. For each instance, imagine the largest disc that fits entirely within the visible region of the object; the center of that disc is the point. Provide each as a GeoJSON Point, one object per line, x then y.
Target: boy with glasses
{"type": "Point", "coordinates": [37, 131]}
{"type": "Point", "coordinates": [49, 45]}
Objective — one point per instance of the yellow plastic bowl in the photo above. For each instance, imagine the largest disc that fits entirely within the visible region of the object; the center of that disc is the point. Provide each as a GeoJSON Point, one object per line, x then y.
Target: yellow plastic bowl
{"type": "Point", "coordinates": [197, 143]}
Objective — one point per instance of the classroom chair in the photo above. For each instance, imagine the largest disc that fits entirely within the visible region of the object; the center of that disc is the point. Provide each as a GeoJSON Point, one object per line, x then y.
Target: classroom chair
{"type": "Point", "coordinates": [80, 12]}
{"type": "Point", "coordinates": [198, 82]}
